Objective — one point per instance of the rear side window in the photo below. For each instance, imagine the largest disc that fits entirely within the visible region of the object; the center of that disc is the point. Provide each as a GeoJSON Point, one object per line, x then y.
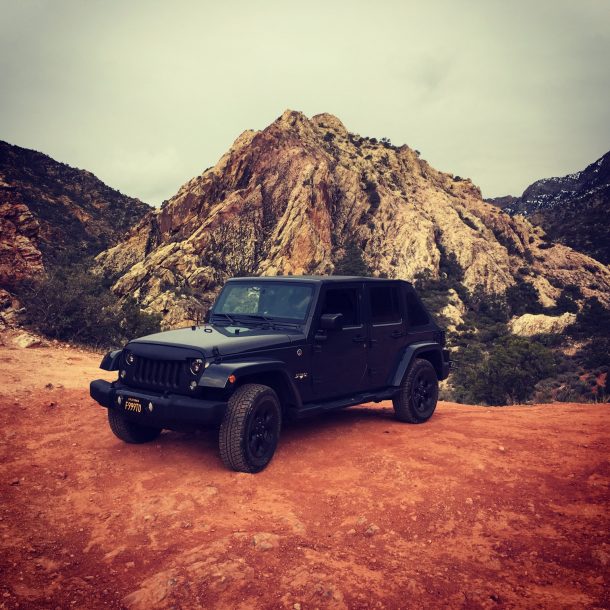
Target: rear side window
{"type": "Point", "coordinates": [418, 316]}
{"type": "Point", "coordinates": [385, 305]}
{"type": "Point", "coordinates": [345, 301]}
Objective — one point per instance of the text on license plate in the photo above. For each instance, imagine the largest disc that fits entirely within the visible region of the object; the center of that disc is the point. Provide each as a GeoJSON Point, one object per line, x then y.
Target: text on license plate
{"type": "Point", "coordinates": [133, 404]}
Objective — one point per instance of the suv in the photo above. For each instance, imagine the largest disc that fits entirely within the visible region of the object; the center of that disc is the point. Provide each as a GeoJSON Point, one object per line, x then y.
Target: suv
{"type": "Point", "coordinates": [275, 348]}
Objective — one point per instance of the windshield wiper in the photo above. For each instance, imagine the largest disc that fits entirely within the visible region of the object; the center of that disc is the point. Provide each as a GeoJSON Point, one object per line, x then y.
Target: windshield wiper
{"type": "Point", "coordinates": [255, 317]}
{"type": "Point", "coordinates": [271, 321]}
{"type": "Point", "coordinates": [226, 315]}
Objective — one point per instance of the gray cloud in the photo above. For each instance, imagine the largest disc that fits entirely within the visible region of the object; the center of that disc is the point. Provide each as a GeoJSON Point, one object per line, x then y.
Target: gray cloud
{"type": "Point", "coordinates": [147, 94]}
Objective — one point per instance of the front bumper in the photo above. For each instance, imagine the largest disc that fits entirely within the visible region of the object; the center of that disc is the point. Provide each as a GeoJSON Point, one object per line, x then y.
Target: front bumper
{"type": "Point", "coordinates": [168, 409]}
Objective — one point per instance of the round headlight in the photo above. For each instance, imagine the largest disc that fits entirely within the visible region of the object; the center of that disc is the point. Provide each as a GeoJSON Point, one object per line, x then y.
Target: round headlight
{"type": "Point", "coordinates": [130, 358]}
{"type": "Point", "coordinates": [196, 366]}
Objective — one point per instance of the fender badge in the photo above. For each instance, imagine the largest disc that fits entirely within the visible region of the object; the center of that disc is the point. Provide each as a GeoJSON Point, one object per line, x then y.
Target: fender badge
{"type": "Point", "coordinates": [299, 352]}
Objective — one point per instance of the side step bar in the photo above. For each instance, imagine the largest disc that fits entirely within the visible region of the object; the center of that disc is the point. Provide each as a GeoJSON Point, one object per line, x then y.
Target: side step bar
{"type": "Point", "coordinates": [347, 401]}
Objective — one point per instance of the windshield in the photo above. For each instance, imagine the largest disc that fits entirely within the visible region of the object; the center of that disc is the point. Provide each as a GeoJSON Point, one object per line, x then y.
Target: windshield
{"type": "Point", "coordinates": [280, 300]}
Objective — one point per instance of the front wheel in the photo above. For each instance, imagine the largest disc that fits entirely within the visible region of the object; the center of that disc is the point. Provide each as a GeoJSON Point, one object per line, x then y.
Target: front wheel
{"type": "Point", "coordinates": [130, 431]}
{"type": "Point", "coordinates": [250, 428]}
{"type": "Point", "coordinates": [416, 400]}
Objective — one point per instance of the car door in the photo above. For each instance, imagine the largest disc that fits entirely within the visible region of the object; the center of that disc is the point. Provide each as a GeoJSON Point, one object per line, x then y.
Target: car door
{"type": "Point", "coordinates": [387, 330]}
{"type": "Point", "coordinates": [339, 356]}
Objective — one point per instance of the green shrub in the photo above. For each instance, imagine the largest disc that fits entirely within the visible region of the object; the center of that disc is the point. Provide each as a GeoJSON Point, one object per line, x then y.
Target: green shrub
{"type": "Point", "coordinates": [522, 298]}
{"type": "Point", "coordinates": [72, 304]}
{"type": "Point", "coordinates": [596, 353]}
{"type": "Point", "coordinates": [593, 320]}
{"type": "Point", "coordinates": [507, 374]}
{"type": "Point", "coordinates": [371, 191]}
{"type": "Point", "coordinates": [352, 262]}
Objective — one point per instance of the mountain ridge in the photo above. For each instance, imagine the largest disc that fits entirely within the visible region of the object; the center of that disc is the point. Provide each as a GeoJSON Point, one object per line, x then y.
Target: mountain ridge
{"type": "Point", "coordinates": [288, 198]}
{"type": "Point", "coordinates": [572, 209]}
{"type": "Point", "coordinates": [52, 213]}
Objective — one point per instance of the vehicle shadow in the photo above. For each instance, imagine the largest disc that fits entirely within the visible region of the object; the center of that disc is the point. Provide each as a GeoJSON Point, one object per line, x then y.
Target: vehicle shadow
{"type": "Point", "coordinates": [205, 439]}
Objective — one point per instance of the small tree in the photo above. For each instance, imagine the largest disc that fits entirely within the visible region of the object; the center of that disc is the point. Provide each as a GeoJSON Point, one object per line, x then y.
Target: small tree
{"type": "Point", "coordinates": [352, 262]}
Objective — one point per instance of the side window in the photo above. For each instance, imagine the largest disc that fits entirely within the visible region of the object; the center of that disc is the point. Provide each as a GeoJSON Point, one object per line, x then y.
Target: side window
{"type": "Point", "coordinates": [385, 305]}
{"type": "Point", "coordinates": [345, 301]}
{"type": "Point", "coordinates": [416, 313]}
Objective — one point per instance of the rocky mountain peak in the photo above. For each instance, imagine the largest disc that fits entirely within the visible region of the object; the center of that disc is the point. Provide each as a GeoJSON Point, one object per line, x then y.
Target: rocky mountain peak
{"type": "Point", "coordinates": [288, 198]}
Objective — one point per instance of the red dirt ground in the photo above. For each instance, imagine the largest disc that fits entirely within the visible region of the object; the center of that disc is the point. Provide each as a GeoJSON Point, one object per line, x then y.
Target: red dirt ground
{"type": "Point", "coordinates": [479, 508]}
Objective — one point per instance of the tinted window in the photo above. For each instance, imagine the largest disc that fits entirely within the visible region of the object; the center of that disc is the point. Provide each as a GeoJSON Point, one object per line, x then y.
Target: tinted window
{"type": "Point", "coordinates": [416, 313]}
{"type": "Point", "coordinates": [385, 307]}
{"type": "Point", "coordinates": [272, 299]}
{"type": "Point", "coordinates": [345, 301]}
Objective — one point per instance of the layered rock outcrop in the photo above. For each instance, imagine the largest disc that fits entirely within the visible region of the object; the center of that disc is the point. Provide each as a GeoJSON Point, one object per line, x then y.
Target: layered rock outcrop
{"type": "Point", "coordinates": [287, 199]}
{"type": "Point", "coordinates": [529, 325]}
{"type": "Point", "coordinates": [20, 257]}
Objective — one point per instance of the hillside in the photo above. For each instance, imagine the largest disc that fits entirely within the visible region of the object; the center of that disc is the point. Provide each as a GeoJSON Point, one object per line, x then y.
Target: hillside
{"type": "Point", "coordinates": [572, 210]}
{"type": "Point", "coordinates": [52, 212]}
{"type": "Point", "coordinates": [453, 512]}
{"type": "Point", "coordinates": [289, 198]}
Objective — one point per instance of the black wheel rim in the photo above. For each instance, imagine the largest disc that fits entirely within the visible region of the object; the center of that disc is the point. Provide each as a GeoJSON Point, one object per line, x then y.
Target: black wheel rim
{"type": "Point", "coordinates": [424, 393]}
{"type": "Point", "coordinates": [262, 436]}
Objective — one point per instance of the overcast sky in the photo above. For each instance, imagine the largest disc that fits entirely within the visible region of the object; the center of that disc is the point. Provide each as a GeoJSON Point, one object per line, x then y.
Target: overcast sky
{"type": "Point", "coordinates": [148, 94]}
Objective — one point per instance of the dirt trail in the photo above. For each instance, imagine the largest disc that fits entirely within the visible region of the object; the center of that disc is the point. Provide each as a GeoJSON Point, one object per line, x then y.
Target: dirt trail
{"type": "Point", "coordinates": [479, 508]}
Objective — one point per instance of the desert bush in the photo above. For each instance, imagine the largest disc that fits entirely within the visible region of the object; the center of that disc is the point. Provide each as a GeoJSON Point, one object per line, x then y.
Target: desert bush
{"type": "Point", "coordinates": [522, 298]}
{"type": "Point", "coordinates": [596, 353]}
{"type": "Point", "coordinates": [507, 374]}
{"type": "Point", "coordinates": [352, 262]}
{"type": "Point", "coordinates": [371, 191]}
{"type": "Point", "coordinates": [593, 320]}
{"type": "Point", "coordinates": [72, 304]}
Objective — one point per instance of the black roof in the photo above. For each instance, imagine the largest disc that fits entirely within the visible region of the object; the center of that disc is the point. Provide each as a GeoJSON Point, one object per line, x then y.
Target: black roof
{"type": "Point", "coordinates": [318, 278]}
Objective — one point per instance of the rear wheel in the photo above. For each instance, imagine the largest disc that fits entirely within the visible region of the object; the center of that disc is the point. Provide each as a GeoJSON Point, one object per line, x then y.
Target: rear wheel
{"type": "Point", "coordinates": [129, 431]}
{"type": "Point", "coordinates": [250, 428]}
{"type": "Point", "coordinates": [416, 400]}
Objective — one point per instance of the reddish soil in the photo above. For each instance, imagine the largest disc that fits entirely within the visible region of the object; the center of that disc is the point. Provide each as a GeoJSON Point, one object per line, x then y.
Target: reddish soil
{"type": "Point", "coordinates": [479, 508]}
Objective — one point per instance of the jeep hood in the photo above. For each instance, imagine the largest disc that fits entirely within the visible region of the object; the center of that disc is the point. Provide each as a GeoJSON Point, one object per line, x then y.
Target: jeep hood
{"type": "Point", "coordinates": [223, 340]}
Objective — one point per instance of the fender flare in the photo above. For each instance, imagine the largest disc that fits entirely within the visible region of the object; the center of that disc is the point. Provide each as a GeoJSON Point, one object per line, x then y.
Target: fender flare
{"type": "Point", "coordinates": [410, 353]}
{"type": "Point", "coordinates": [216, 376]}
{"type": "Point", "coordinates": [110, 362]}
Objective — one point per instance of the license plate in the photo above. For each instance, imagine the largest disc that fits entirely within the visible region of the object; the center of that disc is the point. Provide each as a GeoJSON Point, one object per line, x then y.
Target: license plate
{"type": "Point", "coordinates": [133, 404]}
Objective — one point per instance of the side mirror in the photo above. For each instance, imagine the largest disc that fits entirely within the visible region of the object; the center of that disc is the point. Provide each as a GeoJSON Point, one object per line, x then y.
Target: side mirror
{"type": "Point", "coordinates": [331, 321]}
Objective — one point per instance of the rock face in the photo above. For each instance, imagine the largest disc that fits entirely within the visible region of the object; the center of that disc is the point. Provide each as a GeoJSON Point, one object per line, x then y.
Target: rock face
{"type": "Point", "coordinates": [529, 324]}
{"type": "Point", "coordinates": [20, 256]}
{"type": "Point", "coordinates": [572, 210]}
{"type": "Point", "coordinates": [50, 211]}
{"type": "Point", "coordinates": [287, 199]}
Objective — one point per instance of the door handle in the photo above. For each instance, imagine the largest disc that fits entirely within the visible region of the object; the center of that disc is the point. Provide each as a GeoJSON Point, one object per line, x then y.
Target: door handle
{"type": "Point", "coordinates": [397, 333]}
{"type": "Point", "coordinates": [359, 339]}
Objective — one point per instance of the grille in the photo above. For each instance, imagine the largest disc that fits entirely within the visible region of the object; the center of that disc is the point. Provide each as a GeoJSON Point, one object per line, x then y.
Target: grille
{"type": "Point", "coordinates": [158, 373]}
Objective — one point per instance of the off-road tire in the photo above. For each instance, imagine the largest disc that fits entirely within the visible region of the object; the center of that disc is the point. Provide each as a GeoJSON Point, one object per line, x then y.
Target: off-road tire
{"type": "Point", "coordinates": [250, 429]}
{"type": "Point", "coordinates": [129, 431]}
{"type": "Point", "coordinates": [416, 400]}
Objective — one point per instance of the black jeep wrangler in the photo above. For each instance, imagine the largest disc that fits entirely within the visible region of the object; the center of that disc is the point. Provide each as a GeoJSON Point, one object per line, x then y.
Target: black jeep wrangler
{"type": "Point", "coordinates": [278, 347]}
